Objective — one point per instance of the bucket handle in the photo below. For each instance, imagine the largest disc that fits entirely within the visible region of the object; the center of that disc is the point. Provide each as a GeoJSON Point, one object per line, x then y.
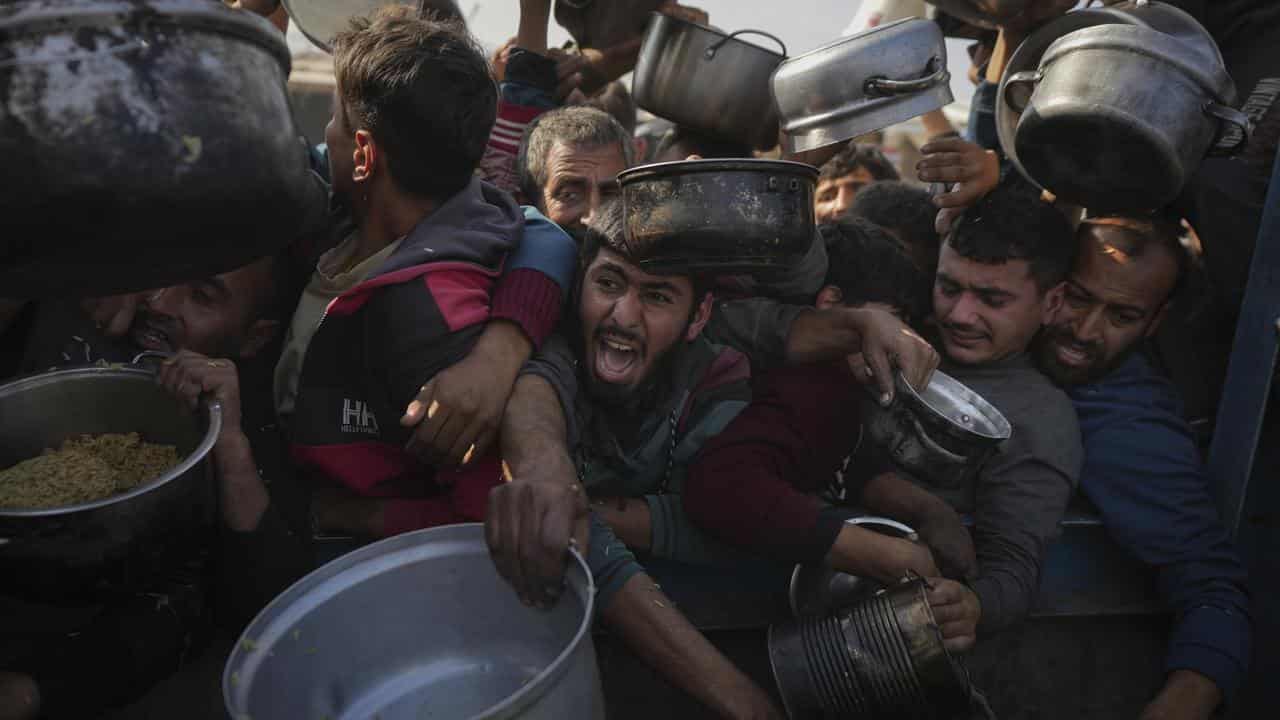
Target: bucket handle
{"type": "Point", "coordinates": [1229, 142]}
{"type": "Point", "coordinates": [1018, 102]}
{"type": "Point", "coordinates": [710, 53]}
{"type": "Point", "coordinates": [880, 86]}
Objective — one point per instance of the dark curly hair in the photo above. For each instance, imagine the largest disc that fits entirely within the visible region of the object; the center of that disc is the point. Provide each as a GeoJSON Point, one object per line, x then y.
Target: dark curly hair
{"type": "Point", "coordinates": [854, 156]}
{"type": "Point", "coordinates": [1013, 223]}
{"type": "Point", "coordinates": [908, 212]}
{"type": "Point", "coordinates": [869, 265]}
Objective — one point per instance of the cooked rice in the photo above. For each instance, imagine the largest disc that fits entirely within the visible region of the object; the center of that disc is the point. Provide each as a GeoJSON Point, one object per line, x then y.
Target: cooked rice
{"type": "Point", "coordinates": [87, 468]}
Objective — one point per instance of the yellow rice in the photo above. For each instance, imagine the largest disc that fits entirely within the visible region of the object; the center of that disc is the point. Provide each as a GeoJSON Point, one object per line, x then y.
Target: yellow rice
{"type": "Point", "coordinates": [90, 467]}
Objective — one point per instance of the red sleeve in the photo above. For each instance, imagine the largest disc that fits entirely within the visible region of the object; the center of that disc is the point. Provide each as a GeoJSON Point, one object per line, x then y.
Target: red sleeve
{"type": "Point", "coordinates": [531, 300]}
{"type": "Point", "coordinates": [465, 501]}
{"type": "Point", "coordinates": [752, 485]}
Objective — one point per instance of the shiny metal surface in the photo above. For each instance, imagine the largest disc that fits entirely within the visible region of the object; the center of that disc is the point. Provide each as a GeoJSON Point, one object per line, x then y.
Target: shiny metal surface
{"type": "Point", "coordinates": [418, 625]}
{"type": "Point", "coordinates": [719, 215]}
{"type": "Point", "coordinates": [708, 81]}
{"type": "Point", "coordinates": [1119, 116]}
{"type": "Point", "coordinates": [818, 590]}
{"type": "Point", "coordinates": [70, 547]}
{"type": "Point", "coordinates": [131, 121]}
{"type": "Point", "coordinates": [862, 83]}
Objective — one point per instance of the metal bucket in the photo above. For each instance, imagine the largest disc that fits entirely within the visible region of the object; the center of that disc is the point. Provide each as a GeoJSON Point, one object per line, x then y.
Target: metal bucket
{"type": "Point", "coordinates": [418, 625]}
{"type": "Point", "coordinates": [882, 658]}
{"type": "Point", "coordinates": [59, 553]}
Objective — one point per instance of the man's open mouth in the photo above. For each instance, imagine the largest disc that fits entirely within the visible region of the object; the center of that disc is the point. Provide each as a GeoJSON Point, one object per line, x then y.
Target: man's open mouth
{"type": "Point", "coordinates": [151, 337]}
{"type": "Point", "coordinates": [616, 359]}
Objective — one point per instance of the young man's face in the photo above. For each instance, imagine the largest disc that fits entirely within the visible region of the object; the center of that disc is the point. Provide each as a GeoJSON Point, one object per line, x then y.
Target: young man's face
{"type": "Point", "coordinates": [631, 320]}
{"type": "Point", "coordinates": [1112, 302]}
{"type": "Point", "coordinates": [217, 316]}
{"type": "Point", "coordinates": [579, 179]}
{"type": "Point", "coordinates": [988, 312]}
{"type": "Point", "coordinates": [835, 195]}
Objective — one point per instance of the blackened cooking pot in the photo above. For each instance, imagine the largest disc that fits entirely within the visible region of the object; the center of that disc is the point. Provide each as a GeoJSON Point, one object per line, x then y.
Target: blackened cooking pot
{"type": "Point", "coordinates": [719, 216]}
{"type": "Point", "coordinates": [61, 553]}
{"type": "Point", "coordinates": [145, 142]}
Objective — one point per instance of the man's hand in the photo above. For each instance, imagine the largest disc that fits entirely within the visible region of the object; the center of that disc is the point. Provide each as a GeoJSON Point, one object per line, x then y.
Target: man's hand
{"type": "Point", "coordinates": [188, 376]}
{"type": "Point", "coordinates": [950, 542]}
{"type": "Point", "coordinates": [458, 412]}
{"type": "Point", "coordinates": [19, 697]}
{"type": "Point", "coordinates": [529, 524]}
{"type": "Point", "coordinates": [113, 315]}
{"type": "Point", "coordinates": [684, 12]}
{"type": "Point", "coordinates": [1186, 695]}
{"type": "Point", "coordinates": [888, 343]}
{"type": "Point", "coordinates": [969, 169]}
{"type": "Point", "coordinates": [957, 610]}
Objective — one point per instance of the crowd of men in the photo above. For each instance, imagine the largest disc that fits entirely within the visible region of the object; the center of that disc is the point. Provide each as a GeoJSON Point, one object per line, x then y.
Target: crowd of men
{"type": "Point", "coordinates": [427, 328]}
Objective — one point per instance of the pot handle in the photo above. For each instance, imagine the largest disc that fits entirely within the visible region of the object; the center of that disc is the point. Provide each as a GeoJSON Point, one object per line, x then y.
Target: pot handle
{"type": "Point", "coordinates": [1229, 142]}
{"type": "Point", "coordinates": [933, 446]}
{"type": "Point", "coordinates": [710, 53]}
{"type": "Point", "coordinates": [880, 86]}
{"type": "Point", "coordinates": [1018, 102]}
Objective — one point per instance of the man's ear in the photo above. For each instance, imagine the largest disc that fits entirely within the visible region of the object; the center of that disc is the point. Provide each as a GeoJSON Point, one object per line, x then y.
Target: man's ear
{"type": "Point", "coordinates": [260, 333]}
{"type": "Point", "coordinates": [1053, 302]}
{"type": "Point", "coordinates": [1159, 318]}
{"type": "Point", "coordinates": [700, 318]}
{"type": "Point", "coordinates": [364, 157]}
{"type": "Point", "coordinates": [829, 296]}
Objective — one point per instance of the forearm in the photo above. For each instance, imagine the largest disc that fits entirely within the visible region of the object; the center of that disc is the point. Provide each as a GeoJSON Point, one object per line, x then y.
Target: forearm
{"type": "Point", "coordinates": [532, 32]}
{"type": "Point", "coordinates": [863, 552]}
{"type": "Point", "coordinates": [242, 495]}
{"type": "Point", "coordinates": [533, 426]}
{"type": "Point", "coordinates": [896, 497]}
{"type": "Point", "coordinates": [823, 335]}
{"type": "Point", "coordinates": [656, 631]}
{"type": "Point", "coordinates": [629, 518]}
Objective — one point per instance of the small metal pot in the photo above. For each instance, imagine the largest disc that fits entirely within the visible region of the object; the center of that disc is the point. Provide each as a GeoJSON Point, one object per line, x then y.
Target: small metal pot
{"type": "Point", "coordinates": [862, 83]}
{"type": "Point", "coordinates": [145, 143]}
{"type": "Point", "coordinates": [818, 590]}
{"type": "Point", "coordinates": [418, 625]}
{"type": "Point", "coordinates": [1118, 117]}
{"type": "Point", "coordinates": [708, 81]}
{"type": "Point", "coordinates": [58, 553]}
{"type": "Point", "coordinates": [719, 216]}
{"type": "Point", "coordinates": [941, 435]}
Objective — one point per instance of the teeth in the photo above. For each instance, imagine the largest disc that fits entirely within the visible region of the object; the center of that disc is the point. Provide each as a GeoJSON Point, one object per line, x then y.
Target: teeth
{"type": "Point", "coordinates": [616, 346]}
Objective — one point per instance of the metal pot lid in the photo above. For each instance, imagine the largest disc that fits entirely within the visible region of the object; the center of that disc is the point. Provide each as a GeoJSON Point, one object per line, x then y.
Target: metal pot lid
{"type": "Point", "coordinates": [1157, 15]}
{"type": "Point", "coordinates": [62, 16]}
{"type": "Point", "coordinates": [862, 83]}
{"type": "Point", "coordinates": [689, 167]}
{"type": "Point", "coordinates": [963, 409]}
{"type": "Point", "coordinates": [320, 20]}
{"type": "Point", "coordinates": [212, 412]}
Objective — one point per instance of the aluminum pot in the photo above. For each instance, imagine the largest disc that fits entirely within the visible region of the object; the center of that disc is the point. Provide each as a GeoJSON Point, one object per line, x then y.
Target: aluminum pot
{"type": "Point", "coordinates": [1119, 117]}
{"type": "Point", "coordinates": [418, 625]}
{"type": "Point", "coordinates": [708, 81]}
{"type": "Point", "coordinates": [146, 142]}
{"type": "Point", "coordinates": [719, 216]}
{"type": "Point", "coordinates": [818, 590]}
{"type": "Point", "coordinates": [1160, 16]}
{"type": "Point", "coordinates": [862, 83]}
{"type": "Point", "coordinates": [64, 552]}
{"type": "Point", "coordinates": [941, 435]}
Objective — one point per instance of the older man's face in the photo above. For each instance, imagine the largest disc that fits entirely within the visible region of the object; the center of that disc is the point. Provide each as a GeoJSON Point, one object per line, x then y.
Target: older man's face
{"type": "Point", "coordinates": [579, 179]}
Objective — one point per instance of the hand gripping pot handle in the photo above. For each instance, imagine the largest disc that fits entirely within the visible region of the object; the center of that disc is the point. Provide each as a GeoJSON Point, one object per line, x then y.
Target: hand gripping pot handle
{"type": "Point", "coordinates": [1229, 141]}
{"type": "Point", "coordinates": [884, 87]}
{"type": "Point", "coordinates": [710, 53]}
{"type": "Point", "coordinates": [1015, 95]}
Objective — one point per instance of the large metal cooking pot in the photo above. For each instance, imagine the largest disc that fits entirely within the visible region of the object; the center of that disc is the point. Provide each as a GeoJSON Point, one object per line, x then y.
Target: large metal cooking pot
{"type": "Point", "coordinates": [418, 625]}
{"type": "Point", "coordinates": [862, 83]}
{"type": "Point", "coordinates": [719, 215]}
{"type": "Point", "coordinates": [941, 435]}
{"type": "Point", "coordinates": [604, 24]}
{"type": "Point", "coordinates": [145, 142]}
{"type": "Point", "coordinates": [320, 20]}
{"type": "Point", "coordinates": [65, 551]}
{"type": "Point", "coordinates": [1118, 117]}
{"type": "Point", "coordinates": [708, 81]}
{"type": "Point", "coordinates": [1160, 16]}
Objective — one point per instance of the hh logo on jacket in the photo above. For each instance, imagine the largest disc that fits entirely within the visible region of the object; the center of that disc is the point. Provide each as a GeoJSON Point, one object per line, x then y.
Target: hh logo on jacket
{"type": "Point", "coordinates": [358, 418]}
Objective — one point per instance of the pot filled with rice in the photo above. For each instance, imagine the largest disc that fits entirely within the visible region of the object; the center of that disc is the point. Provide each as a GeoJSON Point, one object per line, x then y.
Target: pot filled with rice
{"type": "Point", "coordinates": [100, 469]}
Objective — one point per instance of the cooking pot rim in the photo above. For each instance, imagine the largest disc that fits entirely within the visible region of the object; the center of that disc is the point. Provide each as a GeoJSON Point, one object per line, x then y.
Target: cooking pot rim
{"type": "Point", "coordinates": [689, 167]}
{"type": "Point", "coordinates": [212, 412]}
{"type": "Point", "coordinates": [726, 38]}
{"type": "Point", "coordinates": [853, 39]}
{"type": "Point", "coordinates": [990, 412]}
{"type": "Point", "coordinates": [1142, 40]}
{"type": "Point", "coordinates": [62, 16]}
{"type": "Point", "coordinates": [407, 543]}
